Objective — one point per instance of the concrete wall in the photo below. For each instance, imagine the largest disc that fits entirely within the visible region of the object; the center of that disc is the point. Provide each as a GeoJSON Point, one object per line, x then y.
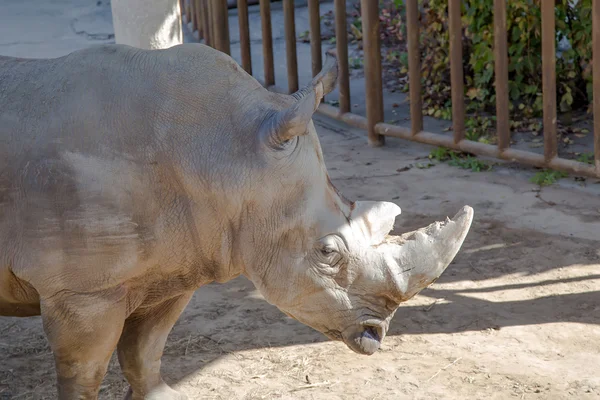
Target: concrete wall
{"type": "Point", "coordinates": [147, 24]}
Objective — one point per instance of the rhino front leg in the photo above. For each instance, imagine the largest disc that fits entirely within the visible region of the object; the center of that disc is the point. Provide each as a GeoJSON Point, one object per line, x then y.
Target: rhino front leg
{"type": "Point", "coordinates": [83, 331]}
{"type": "Point", "coordinates": [141, 347]}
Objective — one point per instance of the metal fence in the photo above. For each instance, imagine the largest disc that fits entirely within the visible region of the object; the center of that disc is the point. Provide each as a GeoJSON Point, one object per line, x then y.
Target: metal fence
{"type": "Point", "coordinates": [210, 18]}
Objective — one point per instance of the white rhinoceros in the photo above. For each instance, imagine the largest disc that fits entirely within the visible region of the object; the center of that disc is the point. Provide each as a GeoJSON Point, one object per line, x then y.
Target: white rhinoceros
{"type": "Point", "coordinates": [130, 178]}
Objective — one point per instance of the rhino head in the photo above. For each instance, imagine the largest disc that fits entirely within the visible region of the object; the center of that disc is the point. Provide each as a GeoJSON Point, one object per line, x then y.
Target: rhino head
{"type": "Point", "coordinates": [331, 263]}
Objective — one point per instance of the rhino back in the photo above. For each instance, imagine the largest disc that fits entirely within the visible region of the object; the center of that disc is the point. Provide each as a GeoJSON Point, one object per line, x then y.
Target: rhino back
{"type": "Point", "coordinates": [97, 149]}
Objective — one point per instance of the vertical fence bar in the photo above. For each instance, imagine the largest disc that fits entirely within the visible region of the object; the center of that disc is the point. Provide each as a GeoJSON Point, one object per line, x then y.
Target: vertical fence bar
{"type": "Point", "coordinates": [549, 80]}
{"type": "Point", "coordinates": [596, 80]}
{"type": "Point", "coordinates": [198, 13]}
{"type": "Point", "coordinates": [314, 16]}
{"type": "Point", "coordinates": [211, 22]}
{"type": "Point", "coordinates": [188, 11]}
{"type": "Point", "coordinates": [341, 44]}
{"type": "Point", "coordinates": [221, 20]}
{"type": "Point", "coordinates": [242, 6]}
{"type": "Point", "coordinates": [414, 66]}
{"type": "Point", "coordinates": [372, 56]}
{"type": "Point", "coordinates": [213, 15]}
{"type": "Point", "coordinates": [194, 14]}
{"type": "Point", "coordinates": [290, 45]}
{"type": "Point", "coordinates": [205, 12]}
{"type": "Point", "coordinates": [501, 73]}
{"type": "Point", "coordinates": [456, 71]}
{"type": "Point", "coordinates": [267, 40]}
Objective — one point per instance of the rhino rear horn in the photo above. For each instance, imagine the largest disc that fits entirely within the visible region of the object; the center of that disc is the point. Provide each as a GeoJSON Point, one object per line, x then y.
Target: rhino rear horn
{"type": "Point", "coordinates": [293, 121]}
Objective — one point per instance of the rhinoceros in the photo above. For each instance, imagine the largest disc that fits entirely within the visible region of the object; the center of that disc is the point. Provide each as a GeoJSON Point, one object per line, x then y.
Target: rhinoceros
{"type": "Point", "coordinates": [130, 178]}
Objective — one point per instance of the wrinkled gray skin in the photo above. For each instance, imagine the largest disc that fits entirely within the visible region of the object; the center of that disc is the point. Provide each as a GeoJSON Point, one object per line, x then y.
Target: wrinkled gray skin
{"type": "Point", "coordinates": [130, 178]}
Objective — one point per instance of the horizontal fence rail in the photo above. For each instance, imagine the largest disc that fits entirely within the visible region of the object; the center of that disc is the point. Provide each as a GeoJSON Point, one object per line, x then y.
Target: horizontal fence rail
{"type": "Point", "coordinates": [210, 19]}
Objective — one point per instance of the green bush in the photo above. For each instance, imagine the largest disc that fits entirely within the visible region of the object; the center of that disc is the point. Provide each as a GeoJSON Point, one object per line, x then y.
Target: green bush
{"type": "Point", "coordinates": [573, 67]}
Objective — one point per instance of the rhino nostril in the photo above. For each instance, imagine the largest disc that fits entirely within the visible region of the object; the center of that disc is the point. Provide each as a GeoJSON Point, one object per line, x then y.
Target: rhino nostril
{"type": "Point", "coordinates": [373, 332]}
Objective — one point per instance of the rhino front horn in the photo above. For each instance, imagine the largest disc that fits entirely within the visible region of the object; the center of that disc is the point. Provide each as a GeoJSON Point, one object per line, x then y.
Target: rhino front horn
{"type": "Point", "coordinates": [416, 259]}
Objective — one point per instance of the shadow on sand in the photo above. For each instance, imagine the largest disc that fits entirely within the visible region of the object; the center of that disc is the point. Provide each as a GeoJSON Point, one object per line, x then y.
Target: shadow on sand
{"type": "Point", "coordinates": [223, 319]}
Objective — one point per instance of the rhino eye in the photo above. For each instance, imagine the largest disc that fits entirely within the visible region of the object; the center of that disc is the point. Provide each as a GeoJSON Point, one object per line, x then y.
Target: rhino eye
{"type": "Point", "coordinates": [289, 142]}
{"type": "Point", "coordinates": [329, 256]}
{"type": "Point", "coordinates": [326, 251]}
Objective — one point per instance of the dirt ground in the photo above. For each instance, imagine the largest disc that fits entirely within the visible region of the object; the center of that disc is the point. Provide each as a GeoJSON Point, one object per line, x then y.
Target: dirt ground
{"type": "Point", "coordinates": [517, 314]}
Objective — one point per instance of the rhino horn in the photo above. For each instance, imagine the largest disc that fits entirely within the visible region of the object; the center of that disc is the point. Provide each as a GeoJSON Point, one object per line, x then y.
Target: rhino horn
{"type": "Point", "coordinates": [374, 220]}
{"type": "Point", "coordinates": [416, 259]}
{"type": "Point", "coordinates": [293, 121]}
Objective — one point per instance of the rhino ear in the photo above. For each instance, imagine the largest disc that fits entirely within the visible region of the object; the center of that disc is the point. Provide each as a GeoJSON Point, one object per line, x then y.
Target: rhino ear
{"type": "Point", "coordinates": [375, 219]}
{"type": "Point", "coordinates": [293, 121]}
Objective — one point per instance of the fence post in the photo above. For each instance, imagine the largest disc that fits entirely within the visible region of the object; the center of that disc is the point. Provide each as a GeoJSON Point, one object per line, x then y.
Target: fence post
{"type": "Point", "coordinates": [198, 12]}
{"type": "Point", "coordinates": [242, 6]}
{"type": "Point", "coordinates": [194, 12]}
{"type": "Point", "coordinates": [549, 80]}
{"type": "Point", "coordinates": [501, 73]}
{"type": "Point", "coordinates": [188, 11]}
{"type": "Point", "coordinates": [341, 36]}
{"type": "Point", "coordinates": [414, 66]}
{"type": "Point", "coordinates": [596, 80]}
{"type": "Point", "coordinates": [372, 56]}
{"type": "Point", "coordinates": [267, 39]}
{"type": "Point", "coordinates": [315, 36]}
{"type": "Point", "coordinates": [221, 21]}
{"type": "Point", "coordinates": [206, 22]}
{"type": "Point", "coordinates": [290, 45]}
{"type": "Point", "coordinates": [456, 70]}
{"type": "Point", "coordinates": [211, 22]}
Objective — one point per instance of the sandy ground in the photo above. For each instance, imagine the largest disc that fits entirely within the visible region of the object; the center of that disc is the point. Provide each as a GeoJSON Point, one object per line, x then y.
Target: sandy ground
{"type": "Point", "coordinates": [517, 314]}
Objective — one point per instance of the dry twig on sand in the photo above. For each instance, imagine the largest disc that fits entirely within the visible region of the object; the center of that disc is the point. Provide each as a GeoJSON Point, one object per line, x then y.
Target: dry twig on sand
{"type": "Point", "coordinates": [312, 385]}
{"type": "Point", "coordinates": [443, 369]}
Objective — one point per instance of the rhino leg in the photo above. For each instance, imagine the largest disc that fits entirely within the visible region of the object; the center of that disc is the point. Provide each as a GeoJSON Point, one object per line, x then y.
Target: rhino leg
{"type": "Point", "coordinates": [141, 346]}
{"type": "Point", "coordinates": [83, 331]}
